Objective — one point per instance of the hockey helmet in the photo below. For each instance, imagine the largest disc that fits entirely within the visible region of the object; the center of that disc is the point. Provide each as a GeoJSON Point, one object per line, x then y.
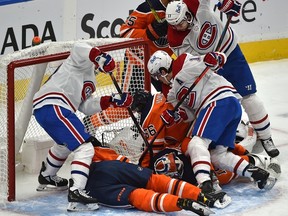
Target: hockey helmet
{"type": "Point", "coordinates": [160, 60]}
{"type": "Point", "coordinates": [140, 99]}
{"type": "Point", "coordinates": [170, 165]}
{"type": "Point", "coordinates": [176, 12]}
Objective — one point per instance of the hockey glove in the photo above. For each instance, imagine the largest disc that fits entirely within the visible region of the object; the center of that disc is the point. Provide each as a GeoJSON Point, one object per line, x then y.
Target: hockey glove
{"type": "Point", "coordinates": [156, 30]}
{"type": "Point", "coordinates": [103, 61]}
{"type": "Point", "coordinates": [229, 7]}
{"type": "Point", "coordinates": [115, 100]}
{"type": "Point", "coordinates": [214, 199]}
{"type": "Point", "coordinates": [169, 117]}
{"type": "Point", "coordinates": [125, 100]}
{"type": "Point", "coordinates": [215, 60]}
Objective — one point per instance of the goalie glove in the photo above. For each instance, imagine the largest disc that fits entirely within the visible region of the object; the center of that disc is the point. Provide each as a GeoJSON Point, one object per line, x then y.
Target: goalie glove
{"type": "Point", "coordinates": [116, 100]}
{"type": "Point", "coordinates": [169, 117]}
{"type": "Point", "coordinates": [229, 7]}
{"type": "Point", "coordinates": [103, 61]}
{"type": "Point", "coordinates": [215, 60]}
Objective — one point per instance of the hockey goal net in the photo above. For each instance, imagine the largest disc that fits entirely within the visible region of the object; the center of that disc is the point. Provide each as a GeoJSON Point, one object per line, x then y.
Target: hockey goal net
{"type": "Point", "coordinates": [22, 74]}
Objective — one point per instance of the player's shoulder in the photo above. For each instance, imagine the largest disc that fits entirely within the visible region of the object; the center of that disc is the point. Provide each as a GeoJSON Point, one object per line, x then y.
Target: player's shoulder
{"type": "Point", "coordinates": [176, 38]}
{"type": "Point", "coordinates": [178, 63]}
{"type": "Point", "coordinates": [145, 8]}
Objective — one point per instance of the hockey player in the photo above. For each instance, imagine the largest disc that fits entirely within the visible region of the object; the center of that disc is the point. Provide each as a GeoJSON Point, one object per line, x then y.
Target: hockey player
{"type": "Point", "coordinates": [217, 112]}
{"type": "Point", "coordinates": [117, 183]}
{"type": "Point", "coordinates": [70, 89]}
{"type": "Point", "coordinates": [195, 29]}
{"type": "Point", "coordinates": [142, 23]}
{"type": "Point", "coordinates": [171, 141]}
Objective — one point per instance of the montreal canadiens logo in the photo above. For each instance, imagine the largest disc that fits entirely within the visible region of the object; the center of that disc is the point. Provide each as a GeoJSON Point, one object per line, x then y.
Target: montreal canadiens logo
{"type": "Point", "coordinates": [88, 89]}
{"type": "Point", "coordinates": [207, 36]}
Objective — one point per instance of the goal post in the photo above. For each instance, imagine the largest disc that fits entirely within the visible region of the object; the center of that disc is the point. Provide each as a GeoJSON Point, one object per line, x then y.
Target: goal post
{"type": "Point", "coordinates": [21, 75]}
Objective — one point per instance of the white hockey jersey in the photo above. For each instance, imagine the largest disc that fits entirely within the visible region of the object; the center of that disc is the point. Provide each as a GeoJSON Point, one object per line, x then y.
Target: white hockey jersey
{"type": "Point", "coordinates": [72, 85]}
{"type": "Point", "coordinates": [210, 88]}
{"type": "Point", "coordinates": [205, 32]}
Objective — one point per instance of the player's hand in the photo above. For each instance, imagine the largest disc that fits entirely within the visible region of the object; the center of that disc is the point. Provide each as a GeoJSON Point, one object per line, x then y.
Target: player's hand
{"type": "Point", "coordinates": [169, 117]}
{"type": "Point", "coordinates": [215, 60]}
{"type": "Point", "coordinates": [103, 61]}
{"type": "Point", "coordinates": [124, 100]}
{"type": "Point", "coordinates": [156, 30]}
{"type": "Point", "coordinates": [229, 7]}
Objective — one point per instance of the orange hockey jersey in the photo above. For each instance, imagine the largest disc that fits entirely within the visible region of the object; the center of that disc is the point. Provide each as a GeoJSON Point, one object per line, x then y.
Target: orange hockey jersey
{"type": "Point", "coordinates": [168, 137]}
{"type": "Point", "coordinates": [136, 24]}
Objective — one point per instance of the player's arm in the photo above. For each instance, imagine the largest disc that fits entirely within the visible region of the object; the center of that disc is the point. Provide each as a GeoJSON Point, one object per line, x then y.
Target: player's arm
{"type": "Point", "coordinates": [143, 25]}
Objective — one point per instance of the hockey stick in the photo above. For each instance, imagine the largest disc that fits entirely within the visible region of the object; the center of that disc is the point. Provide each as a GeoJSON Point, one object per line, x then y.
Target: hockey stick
{"type": "Point", "coordinates": [153, 11]}
{"type": "Point", "coordinates": [139, 128]}
{"type": "Point", "coordinates": [203, 73]}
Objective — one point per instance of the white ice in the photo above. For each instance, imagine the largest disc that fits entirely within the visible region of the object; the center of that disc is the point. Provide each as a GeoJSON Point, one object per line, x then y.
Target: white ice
{"type": "Point", "coordinates": [248, 200]}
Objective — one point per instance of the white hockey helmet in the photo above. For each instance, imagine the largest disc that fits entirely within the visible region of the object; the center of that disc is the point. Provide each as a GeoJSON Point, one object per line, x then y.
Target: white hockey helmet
{"type": "Point", "coordinates": [176, 12]}
{"type": "Point", "coordinates": [158, 61]}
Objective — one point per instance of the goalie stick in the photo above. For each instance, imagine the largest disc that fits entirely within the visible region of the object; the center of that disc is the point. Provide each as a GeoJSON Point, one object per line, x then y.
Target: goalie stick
{"type": "Point", "coordinates": [203, 73]}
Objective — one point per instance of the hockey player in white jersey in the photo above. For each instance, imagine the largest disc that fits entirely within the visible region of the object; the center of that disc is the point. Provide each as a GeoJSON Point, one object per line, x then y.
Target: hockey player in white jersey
{"type": "Point", "coordinates": [194, 28]}
{"type": "Point", "coordinates": [213, 105]}
{"type": "Point", "coordinates": [67, 90]}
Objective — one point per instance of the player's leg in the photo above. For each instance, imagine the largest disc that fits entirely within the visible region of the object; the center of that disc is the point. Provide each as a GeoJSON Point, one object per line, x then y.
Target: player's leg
{"type": "Point", "coordinates": [237, 71]}
{"type": "Point", "coordinates": [66, 129]}
{"type": "Point", "coordinates": [56, 155]}
{"type": "Point", "coordinates": [151, 201]}
{"type": "Point", "coordinates": [48, 173]}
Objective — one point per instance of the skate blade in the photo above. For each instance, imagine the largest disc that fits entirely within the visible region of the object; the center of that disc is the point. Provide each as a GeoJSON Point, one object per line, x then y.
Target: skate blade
{"type": "Point", "coordinates": [201, 210]}
{"type": "Point", "coordinates": [223, 203]}
{"type": "Point", "coordinates": [51, 188]}
{"type": "Point", "coordinates": [271, 181]}
{"type": "Point", "coordinates": [79, 207]}
{"type": "Point", "coordinates": [274, 169]}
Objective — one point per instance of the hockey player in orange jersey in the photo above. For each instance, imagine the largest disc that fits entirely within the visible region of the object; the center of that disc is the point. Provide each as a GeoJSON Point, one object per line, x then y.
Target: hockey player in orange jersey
{"type": "Point", "coordinates": [150, 116]}
{"type": "Point", "coordinates": [142, 23]}
{"type": "Point", "coordinates": [115, 182]}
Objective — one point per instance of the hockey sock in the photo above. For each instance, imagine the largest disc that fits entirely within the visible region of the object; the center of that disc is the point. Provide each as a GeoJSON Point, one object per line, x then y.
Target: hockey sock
{"type": "Point", "coordinates": [148, 200]}
{"type": "Point", "coordinates": [165, 184]}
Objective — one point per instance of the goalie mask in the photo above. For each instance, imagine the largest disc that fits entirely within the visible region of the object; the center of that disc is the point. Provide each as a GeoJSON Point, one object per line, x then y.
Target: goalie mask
{"type": "Point", "coordinates": [140, 100]}
{"type": "Point", "coordinates": [169, 165]}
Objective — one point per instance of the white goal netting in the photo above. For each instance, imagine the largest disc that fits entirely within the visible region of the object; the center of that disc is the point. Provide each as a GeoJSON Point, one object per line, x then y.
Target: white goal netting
{"type": "Point", "coordinates": [22, 74]}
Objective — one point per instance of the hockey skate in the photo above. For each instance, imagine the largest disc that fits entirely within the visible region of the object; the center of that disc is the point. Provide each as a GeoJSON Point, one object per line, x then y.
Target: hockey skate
{"type": "Point", "coordinates": [267, 163]}
{"type": "Point", "coordinates": [218, 199]}
{"type": "Point", "coordinates": [262, 177]}
{"type": "Point", "coordinates": [51, 183]}
{"type": "Point", "coordinates": [79, 200]}
{"type": "Point", "coordinates": [270, 148]}
{"type": "Point", "coordinates": [198, 208]}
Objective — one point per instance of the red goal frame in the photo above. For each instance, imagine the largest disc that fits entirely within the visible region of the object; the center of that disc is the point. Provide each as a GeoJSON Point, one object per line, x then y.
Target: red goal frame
{"type": "Point", "coordinates": [11, 95]}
